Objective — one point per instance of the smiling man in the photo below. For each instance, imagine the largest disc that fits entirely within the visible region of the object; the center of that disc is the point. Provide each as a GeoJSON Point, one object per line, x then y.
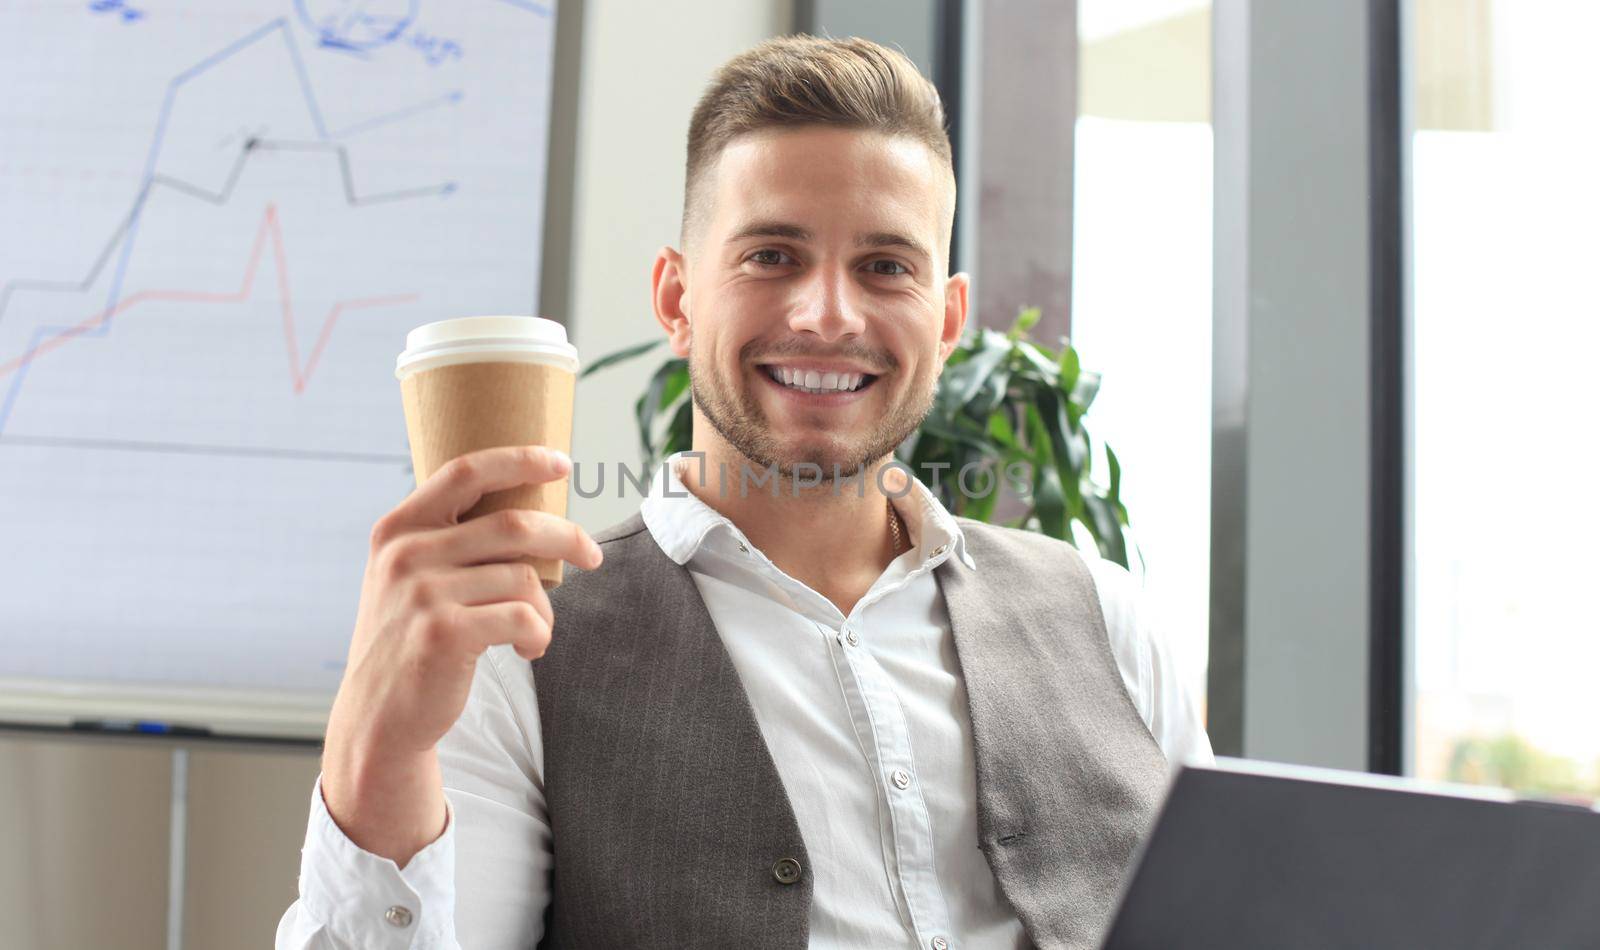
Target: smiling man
{"type": "Point", "coordinates": [792, 702]}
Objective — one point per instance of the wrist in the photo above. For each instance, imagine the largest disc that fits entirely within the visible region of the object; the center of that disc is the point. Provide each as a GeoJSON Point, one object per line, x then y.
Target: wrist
{"type": "Point", "coordinates": [391, 805]}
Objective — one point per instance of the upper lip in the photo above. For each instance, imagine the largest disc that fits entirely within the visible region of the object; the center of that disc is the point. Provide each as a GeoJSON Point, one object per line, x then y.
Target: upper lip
{"type": "Point", "coordinates": [820, 366]}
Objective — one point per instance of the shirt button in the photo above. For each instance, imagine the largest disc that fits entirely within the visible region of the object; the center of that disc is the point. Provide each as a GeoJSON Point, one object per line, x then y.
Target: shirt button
{"type": "Point", "coordinates": [852, 639]}
{"type": "Point", "coordinates": [901, 778]}
{"type": "Point", "coordinates": [397, 915]}
{"type": "Point", "coordinates": [939, 943]}
{"type": "Point", "coordinates": [787, 870]}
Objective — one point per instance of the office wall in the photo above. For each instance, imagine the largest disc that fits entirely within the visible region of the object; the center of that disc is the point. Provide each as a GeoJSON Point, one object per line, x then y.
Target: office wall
{"type": "Point", "coordinates": [83, 823]}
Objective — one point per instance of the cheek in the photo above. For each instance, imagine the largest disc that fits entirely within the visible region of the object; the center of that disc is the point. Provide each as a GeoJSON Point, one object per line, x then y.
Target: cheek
{"type": "Point", "coordinates": [743, 315]}
{"type": "Point", "coordinates": [913, 336]}
{"type": "Point", "coordinates": [754, 307]}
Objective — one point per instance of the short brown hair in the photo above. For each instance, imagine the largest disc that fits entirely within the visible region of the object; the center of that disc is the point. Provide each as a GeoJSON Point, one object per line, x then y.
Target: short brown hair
{"type": "Point", "coordinates": [802, 80]}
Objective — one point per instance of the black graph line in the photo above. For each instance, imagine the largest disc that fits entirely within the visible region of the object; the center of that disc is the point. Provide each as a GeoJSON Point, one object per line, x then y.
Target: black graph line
{"type": "Point", "coordinates": [219, 197]}
{"type": "Point", "coordinates": [181, 448]}
{"type": "Point", "coordinates": [349, 178]}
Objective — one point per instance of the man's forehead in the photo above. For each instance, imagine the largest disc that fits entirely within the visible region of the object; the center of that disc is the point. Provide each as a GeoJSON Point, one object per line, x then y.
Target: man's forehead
{"type": "Point", "coordinates": [783, 175]}
{"type": "Point", "coordinates": [801, 162]}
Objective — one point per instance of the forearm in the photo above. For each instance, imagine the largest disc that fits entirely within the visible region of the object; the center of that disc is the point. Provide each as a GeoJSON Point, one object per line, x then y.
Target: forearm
{"type": "Point", "coordinates": [390, 806]}
{"type": "Point", "coordinates": [487, 770]}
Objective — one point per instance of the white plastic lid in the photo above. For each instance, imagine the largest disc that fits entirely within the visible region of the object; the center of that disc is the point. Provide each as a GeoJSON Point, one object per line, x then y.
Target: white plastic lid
{"type": "Point", "coordinates": [478, 339]}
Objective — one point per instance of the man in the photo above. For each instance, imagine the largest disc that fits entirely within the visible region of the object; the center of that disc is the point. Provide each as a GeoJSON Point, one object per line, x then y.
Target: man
{"type": "Point", "coordinates": [801, 713]}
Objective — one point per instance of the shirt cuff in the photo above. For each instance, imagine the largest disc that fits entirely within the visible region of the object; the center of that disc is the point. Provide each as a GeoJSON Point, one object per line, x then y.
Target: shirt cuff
{"type": "Point", "coordinates": [365, 900]}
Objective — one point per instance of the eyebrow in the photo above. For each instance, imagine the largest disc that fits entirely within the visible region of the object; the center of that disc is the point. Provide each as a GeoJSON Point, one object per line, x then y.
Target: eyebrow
{"type": "Point", "coordinates": [795, 232]}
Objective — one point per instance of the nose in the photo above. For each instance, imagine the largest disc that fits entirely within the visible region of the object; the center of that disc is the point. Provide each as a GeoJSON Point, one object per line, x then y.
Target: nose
{"type": "Point", "coordinates": [824, 306]}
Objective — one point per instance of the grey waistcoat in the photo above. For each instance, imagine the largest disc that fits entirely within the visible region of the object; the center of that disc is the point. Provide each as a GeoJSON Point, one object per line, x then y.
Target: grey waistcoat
{"type": "Point", "coordinates": [668, 831]}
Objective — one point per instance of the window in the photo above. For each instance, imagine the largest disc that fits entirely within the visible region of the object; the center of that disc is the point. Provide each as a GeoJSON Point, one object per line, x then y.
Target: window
{"type": "Point", "coordinates": [1141, 296]}
{"type": "Point", "coordinates": [1505, 334]}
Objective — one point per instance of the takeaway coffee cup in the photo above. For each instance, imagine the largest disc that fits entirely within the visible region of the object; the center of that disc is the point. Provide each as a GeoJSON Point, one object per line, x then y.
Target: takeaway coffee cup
{"type": "Point", "coordinates": [476, 382]}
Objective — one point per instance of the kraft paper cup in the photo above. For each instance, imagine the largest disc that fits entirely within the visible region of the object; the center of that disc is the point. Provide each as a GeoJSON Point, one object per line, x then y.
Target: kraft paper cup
{"type": "Point", "coordinates": [472, 383]}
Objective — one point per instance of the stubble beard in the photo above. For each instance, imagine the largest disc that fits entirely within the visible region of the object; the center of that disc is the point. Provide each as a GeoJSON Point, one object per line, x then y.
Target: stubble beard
{"type": "Point", "coordinates": [735, 412]}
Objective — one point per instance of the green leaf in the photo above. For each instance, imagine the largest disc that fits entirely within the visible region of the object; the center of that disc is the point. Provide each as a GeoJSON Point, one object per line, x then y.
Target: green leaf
{"type": "Point", "coordinates": [957, 431]}
{"type": "Point", "coordinates": [677, 383]}
{"type": "Point", "coordinates": [650, 404]}
{"type": "Point", "coordinates": [1115, 493]}
{"type": "Point", "coordinates": [1040, 362]}
{"type": "Point", "coordinates": [643, 414]}
{"type": "Point", "coordinates": [957, 386]}
{"type": "Point", "coordinates": [1027, 318]}
{"type": "Point", "coordinates": [626, 353]}
{"type": "Point", "coordinates": [1000, 429]}
{"type": "Point", "coordinates": [680, 430]}
{"type": "Point", "coordinates": [992, 393]}
{"type": "Point", "coordinates": [982, 506]}
{"type": "Point", "coordinates": [1049, 503]}
{"type": "Point", "coordinates": [1084, 392]}
{"type": "Point", "coordinates": [1067, 370]}
{"type": "Point", "coordinates": [1039, 447]}
{"type": "Point", "coordinates": [1107, 530]}
{"type": "Point", "coordinates": [1067, 446]}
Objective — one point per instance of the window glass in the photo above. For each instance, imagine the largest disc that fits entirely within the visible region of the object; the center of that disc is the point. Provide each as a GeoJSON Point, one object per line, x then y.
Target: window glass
{"type": "Point", "coordinates": [1141, 294]}
{"type": "Point", "coordinates": [1505, 335]}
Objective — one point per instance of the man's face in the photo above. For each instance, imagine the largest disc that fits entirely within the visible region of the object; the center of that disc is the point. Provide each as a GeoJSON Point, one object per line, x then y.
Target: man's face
{"type": "Point", "coordinates": [820, 267]}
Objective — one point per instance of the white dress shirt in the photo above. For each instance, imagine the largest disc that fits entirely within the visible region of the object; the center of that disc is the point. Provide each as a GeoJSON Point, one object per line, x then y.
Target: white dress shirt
{"type": "Point", "coordinates": [873, 745]}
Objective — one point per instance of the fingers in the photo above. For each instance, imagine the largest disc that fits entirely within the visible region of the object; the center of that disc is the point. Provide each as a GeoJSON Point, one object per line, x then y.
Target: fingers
{"type": "Point", "coordinates": [515, 622]}
{"type": "Point", "coordinates": [460, 482]}
{"type": "Point", "coordinates": [490, 584]}
{"type": "Point", "coordinates": [498, 536]}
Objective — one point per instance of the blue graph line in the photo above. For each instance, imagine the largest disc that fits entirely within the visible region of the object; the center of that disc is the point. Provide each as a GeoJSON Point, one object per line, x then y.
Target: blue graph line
{"type": "Point", "coordinates": [41, 333]}
{"type": "Point", "coordinates": [530, 6]}
{"type": "Point", "coordinates": [406, 113]}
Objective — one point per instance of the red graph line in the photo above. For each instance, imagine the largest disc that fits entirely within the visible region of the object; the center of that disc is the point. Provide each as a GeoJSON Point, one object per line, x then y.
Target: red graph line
{"type": "Point", "coordinates": [269, 229]}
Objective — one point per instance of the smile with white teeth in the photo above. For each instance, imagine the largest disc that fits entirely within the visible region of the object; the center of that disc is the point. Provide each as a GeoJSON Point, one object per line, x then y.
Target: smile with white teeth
{"type": "Point", "coordinates": [811, 381]}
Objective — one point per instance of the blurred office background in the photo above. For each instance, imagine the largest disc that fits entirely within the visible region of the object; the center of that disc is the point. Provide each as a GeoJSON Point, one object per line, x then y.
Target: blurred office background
{"type": "Point", "coordinates": [1328, 257]}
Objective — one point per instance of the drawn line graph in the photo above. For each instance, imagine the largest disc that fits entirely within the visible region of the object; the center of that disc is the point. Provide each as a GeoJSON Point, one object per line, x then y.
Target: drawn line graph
{"type": "Point", "coordinates": [270, 232]}
{"type": "Point", "coordinates": [219, 197]}
{"type": "Point", "coordinates": [126, 233]}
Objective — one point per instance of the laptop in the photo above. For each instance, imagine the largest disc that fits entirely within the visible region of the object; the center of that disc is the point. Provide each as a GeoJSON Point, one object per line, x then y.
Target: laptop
{"type": "Point", "coordinates": [1254, 855]}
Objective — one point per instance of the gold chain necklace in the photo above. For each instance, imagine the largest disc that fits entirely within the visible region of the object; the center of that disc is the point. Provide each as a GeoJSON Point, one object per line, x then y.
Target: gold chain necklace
{"type": "Point", "coordinates": [894, 525]}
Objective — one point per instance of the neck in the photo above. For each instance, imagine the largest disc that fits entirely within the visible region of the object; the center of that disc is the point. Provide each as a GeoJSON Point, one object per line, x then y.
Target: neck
{"type": "Point", "coordinates": [835, 538]}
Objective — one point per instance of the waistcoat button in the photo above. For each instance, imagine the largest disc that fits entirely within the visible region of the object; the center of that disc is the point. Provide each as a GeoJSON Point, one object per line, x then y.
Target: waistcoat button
{"type": "Point", "coordinates": [787, 870]}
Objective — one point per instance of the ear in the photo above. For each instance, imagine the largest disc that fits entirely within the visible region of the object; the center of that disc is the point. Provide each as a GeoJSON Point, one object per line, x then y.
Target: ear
{"type": "Point", "coordinates": [955, 314]}
{"type": "Point", "coordinates": [669, 290]}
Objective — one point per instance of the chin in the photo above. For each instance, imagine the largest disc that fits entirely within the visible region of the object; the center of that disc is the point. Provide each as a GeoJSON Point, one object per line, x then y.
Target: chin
{"type": "Point", "coordinates": [823, 459]}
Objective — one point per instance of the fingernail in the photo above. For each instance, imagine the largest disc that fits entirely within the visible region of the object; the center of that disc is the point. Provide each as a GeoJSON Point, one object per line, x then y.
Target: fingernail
{"type": "Point", "coordinates": [563, 460]}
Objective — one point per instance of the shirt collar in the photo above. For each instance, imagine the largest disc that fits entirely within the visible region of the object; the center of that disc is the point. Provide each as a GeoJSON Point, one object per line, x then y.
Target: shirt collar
{"type": "Point", "coordinates": [680, 522]}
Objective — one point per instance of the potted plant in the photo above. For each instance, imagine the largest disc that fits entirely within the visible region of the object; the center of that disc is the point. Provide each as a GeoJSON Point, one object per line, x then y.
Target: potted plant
{"type": "Point", "coordinates": [1005, 404]}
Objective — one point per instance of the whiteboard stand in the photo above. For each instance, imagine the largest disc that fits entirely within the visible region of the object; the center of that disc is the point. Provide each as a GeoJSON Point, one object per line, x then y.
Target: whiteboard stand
{"type": "Point", "coordinates": [177, 837]}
